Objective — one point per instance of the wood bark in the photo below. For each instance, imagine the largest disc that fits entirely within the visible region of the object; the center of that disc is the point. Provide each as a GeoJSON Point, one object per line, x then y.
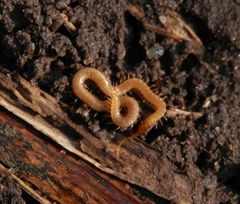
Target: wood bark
{"type": "Point", "coordinates": [49, 174]}
{"type": "Point", "coordinates": [138, 163]}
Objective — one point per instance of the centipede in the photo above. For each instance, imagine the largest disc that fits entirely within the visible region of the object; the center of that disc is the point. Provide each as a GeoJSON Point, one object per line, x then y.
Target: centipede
{"type": "Point", "coordinates": [117, 99]}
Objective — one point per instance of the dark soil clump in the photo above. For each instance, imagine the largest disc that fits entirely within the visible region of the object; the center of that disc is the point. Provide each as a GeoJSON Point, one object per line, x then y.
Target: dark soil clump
{"type": "Point", "coordinates": [10, 191]}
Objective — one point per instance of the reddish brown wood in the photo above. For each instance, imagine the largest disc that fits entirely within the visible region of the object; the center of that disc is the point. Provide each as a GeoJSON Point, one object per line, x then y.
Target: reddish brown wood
{"type": "Point", "coordinates": [55, 174]}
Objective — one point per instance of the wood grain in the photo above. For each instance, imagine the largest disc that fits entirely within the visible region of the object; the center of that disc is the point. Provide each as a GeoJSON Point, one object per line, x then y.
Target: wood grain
{"type": "Point", "coordinates": [138, 163]}
{"type": "Point", "coordinates": [56, 175]}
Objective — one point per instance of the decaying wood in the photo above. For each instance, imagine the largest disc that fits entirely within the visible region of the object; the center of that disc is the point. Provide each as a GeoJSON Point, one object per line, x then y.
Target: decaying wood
{"type": "Point", "coordinates": [137, 163]}
{"type": "Point", "coordinates": [49, 175]}
{"type": "Point", "coordinates": [173, 27]}
{"type": "Point", "coordinates": [7, 172]}
{"type": "Point", "coordinates": [174, 112]}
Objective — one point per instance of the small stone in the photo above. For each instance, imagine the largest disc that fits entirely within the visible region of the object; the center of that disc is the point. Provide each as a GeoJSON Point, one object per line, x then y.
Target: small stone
{"type": "Point", "coordinates": [163, 19]}
{"type": "Point", "coordinates": [217, 129]}
{"type": "Point", "coordinates": [155, 52]}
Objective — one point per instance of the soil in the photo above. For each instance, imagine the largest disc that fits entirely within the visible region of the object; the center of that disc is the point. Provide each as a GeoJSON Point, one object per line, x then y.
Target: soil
{"type": "Point", "coordinates": [47, 49]}
{"type": "Point", "coordinates": [10, 191]}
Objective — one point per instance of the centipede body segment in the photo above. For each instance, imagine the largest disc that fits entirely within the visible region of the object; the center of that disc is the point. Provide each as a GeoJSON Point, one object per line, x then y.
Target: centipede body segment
{"type": "Point", "coordinates": [118, 99]}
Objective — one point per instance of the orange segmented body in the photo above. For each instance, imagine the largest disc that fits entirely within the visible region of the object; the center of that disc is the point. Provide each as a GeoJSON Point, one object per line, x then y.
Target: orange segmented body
{"type": "Point", "coordinates": [119, 99]}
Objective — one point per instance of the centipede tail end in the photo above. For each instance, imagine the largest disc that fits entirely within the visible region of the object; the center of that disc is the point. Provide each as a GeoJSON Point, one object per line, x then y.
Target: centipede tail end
{"type": "Point", "coordinates": [141, 130]}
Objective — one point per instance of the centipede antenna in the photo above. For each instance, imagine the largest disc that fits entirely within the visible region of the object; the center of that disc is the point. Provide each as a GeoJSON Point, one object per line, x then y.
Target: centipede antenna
{"type": "Point", "coordinates": [122, 141]}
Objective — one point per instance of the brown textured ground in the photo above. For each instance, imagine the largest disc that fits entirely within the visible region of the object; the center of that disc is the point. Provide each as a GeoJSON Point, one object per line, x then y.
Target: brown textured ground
{"type": "Point", "coordinates": [37, 43]}
{"type": "Point", "coordinates": [10, 191]}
